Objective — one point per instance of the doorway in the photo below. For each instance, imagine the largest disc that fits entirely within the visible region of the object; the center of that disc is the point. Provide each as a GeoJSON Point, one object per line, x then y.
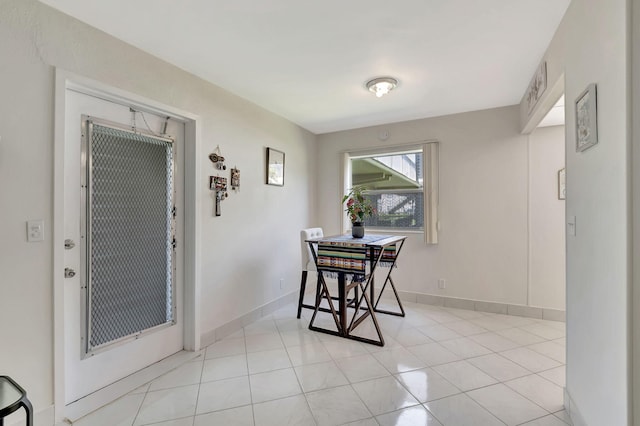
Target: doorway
{"type": "Point", "coordinates": [547, 223]}
{"type": "Point", "coordinates": [76, 374]}
{"type": "Point", "coordinates": [547, 280]}
{"type": "Point", "coordinates": [105, 335]}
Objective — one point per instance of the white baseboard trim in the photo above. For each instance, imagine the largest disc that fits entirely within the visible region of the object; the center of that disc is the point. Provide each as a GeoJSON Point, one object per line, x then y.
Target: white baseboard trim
{"type": "Point", "coordinates": [475, 305]}
{"type": "Point", "coordinates": [44, 417]}
{"type": "Point", "coordinates": [572, 409]}
{"type": "Point", "coordinates": [482, 306]}
{"type": "Point", "coordinates": [232, 326]}
{"type": "Point", "coordinates": [108, 394]}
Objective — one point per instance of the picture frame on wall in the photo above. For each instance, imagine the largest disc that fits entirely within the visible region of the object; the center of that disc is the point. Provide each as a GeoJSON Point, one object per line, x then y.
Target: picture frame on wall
{"type": "Point", "coordinates": [537, 87]}
{"type": "Point", "coordinates": [562, 184]}
{"type": "Point", "coordinates": [587, 119]}
{"type": "Point", "coordinates": [275, 167]}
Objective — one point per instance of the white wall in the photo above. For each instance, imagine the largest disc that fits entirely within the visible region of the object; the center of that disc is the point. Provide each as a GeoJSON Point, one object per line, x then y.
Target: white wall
{"type": "Point", "coordinates": [483, 242]}
{"type": "Point", "coordinates": [546, 218]}
{"type": "Point", "coordinates": [591, 46]}
{"type": "Point", "coordinates": [635, 185]}
{"type": "Point", "coordinates": [245, 252]}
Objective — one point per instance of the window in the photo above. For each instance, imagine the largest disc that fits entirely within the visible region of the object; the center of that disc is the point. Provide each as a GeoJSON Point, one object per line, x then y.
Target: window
{"type": "Point", "coordinates": [401, 185]}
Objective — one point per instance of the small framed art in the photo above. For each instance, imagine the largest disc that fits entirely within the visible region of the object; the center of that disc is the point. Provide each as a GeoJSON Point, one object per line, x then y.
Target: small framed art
{"type": "Point", "coordinates": [275, 167]}
{"type": "Point", "coordinates": [587, 119]}
{"type": "Point", "coordinates": [562, 184]}
{"type": "Point", "coordinates": [537, 87]}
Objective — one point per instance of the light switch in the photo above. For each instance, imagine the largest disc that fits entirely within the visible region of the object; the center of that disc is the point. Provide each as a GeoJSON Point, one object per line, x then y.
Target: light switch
{"type": "Point", "coordinates": [35, 231]}
{"type": "Point", "coordinates": [571, 225]}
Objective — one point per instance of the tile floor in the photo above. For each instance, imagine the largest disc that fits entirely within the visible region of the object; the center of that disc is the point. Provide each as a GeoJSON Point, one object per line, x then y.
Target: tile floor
{"type": "Point", "coordinates": [440, 366]}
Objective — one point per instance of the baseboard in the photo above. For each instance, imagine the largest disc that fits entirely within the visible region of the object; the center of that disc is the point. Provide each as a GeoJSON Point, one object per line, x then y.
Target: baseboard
{"type": "Point", "coordinates": [238, 323]}
{"type": "Point", "coordinates": [108, 394]}
{"type": "Point", "coordinates": [483, 306]}
{"type": "Point", "coordinates": [44, 417]}
{"type": "Point", "coordinates": [572, 409]}
{"type": "Point", "coordinates": [476, 305]}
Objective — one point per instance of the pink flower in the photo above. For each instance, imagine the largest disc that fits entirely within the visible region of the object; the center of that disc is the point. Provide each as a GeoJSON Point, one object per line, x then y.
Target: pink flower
{"type": "Point", "coordinates": [358, 207]}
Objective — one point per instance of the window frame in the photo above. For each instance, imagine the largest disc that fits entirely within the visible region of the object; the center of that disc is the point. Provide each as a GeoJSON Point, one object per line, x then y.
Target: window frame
{"type": "Point", "coordinates": [430, 175]}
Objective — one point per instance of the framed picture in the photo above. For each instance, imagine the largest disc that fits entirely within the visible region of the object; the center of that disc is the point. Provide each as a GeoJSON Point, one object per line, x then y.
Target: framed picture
{"type": "Point", "coordinates": [562, 184]}
{"type": "Point", "coordinates": [537, 86]}
{"type": "Point", "coordinates": [275, 167]}
{"type": "Point", "coordinates": [586, 119]}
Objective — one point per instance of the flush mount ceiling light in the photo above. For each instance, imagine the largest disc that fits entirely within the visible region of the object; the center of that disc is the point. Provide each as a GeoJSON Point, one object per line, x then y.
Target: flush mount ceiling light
{"type": "Point", "coordinates": [382, 85]}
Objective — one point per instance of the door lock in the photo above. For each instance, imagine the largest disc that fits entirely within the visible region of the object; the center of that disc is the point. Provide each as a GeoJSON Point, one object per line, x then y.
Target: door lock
{"type": "Point", "coordinates": [69, 273]}
{"type": "Point", "coordinates": [69, 244]}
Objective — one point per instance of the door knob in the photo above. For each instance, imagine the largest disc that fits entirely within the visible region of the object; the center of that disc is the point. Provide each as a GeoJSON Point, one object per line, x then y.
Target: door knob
{"type": "Point", "coordinates": [69, 273]}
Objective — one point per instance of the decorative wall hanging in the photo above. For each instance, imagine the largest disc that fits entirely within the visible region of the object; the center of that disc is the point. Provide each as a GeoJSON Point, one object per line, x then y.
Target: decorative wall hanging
{"type": "Point", "coordinates": [562, 184]}
{"type": "Point", "coordinates": [587, 119]}
{"type": "Point", "coordinates": [537, 86]}
{"type": "Point", "coordinates": [235, 179]}
{"type": "Point", "coordinates": [219, 185]}
{"type": "Point", "coordinates": [275, 167]}
{"type": "Point", "coordinates": [217, 159]}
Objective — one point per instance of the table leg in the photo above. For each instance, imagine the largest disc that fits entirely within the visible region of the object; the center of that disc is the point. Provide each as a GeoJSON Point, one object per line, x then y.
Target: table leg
{"type": "Point", "coordinates": [342, 296]}
{"type": "Point", "coordinates": [395, 293]}
{"type": "Point", "coordinates": [369, 312]}
{"type": "Point", "coordinates": [334, 314]}
{"type": "Point", "coordinates": [388, 280]}
{"type": "Point", "coordinates": [373, 263]}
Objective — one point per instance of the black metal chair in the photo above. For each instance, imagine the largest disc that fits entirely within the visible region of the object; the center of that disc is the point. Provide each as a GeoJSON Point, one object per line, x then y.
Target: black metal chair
{"type": "Point", "coordinates": [12, 397]}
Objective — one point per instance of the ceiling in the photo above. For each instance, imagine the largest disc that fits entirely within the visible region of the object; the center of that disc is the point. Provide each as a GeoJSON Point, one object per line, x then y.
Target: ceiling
{"type": "Point", "coordinates": [308, 61]}
{"type": "Point", "coordinates": [555, 116]}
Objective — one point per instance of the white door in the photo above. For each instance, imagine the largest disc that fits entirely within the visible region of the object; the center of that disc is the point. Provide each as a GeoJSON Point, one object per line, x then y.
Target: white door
{"type": "Point", "coordinates": [88, 372]}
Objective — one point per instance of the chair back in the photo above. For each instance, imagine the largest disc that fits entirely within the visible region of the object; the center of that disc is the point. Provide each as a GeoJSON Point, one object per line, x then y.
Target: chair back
{"type": "Point", "coordinates": [307, 258]}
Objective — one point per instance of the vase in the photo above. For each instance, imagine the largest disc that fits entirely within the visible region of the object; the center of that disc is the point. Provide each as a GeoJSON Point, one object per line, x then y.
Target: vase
{"type": "Point", "coordinates": [357, 229]}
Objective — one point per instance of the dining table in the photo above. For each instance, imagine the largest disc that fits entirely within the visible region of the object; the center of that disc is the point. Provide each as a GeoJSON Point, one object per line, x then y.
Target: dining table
{"type": "Point", "coordinates": [354, 262]}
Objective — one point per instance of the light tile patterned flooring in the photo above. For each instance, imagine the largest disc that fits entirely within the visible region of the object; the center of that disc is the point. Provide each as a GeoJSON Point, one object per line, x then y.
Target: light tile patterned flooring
{"type": "Point", "coordinates": [440, 366]}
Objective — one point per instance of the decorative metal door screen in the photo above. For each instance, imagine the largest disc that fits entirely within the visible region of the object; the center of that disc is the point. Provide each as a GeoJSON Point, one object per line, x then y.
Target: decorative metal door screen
{"type": "Point", "coordinates": [128, 228]}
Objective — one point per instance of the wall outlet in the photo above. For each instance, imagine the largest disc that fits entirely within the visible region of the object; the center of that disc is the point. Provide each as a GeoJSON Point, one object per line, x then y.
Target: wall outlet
{"type": "Point", "coordinates": [281, 283]}
{"type": "Point", "coordinates": [442, 283]}
{"type": "Point", "coordinates": [35, 231]}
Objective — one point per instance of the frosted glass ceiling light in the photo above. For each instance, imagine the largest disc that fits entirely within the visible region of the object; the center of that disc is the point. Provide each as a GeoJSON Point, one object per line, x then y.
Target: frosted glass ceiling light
{"type": "Point", "coordinates": [382, 85]}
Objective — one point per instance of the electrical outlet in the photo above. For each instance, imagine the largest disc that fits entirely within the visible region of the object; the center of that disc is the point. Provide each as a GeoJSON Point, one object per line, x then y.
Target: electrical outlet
{"type": "Point", "coordinates": [281, 283]}
{"type": "Point", "coordinates": [442, 283]}
{"type": "Point", "coordinates": [35, 231]}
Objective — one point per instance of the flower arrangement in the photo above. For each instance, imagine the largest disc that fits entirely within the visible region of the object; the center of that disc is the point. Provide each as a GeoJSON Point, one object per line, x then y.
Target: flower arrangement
{"type": "Point", "coordinates": [358, 207]}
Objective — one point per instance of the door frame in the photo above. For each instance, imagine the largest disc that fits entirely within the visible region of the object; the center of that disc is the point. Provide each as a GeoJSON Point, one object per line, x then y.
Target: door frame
{"type": "Point", "coordinates": [65, 80]}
